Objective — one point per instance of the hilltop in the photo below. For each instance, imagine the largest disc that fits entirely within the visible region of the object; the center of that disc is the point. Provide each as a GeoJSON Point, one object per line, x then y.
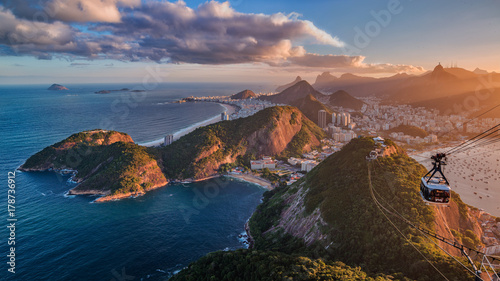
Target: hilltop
{"type": "Point", "coordinates": [106, 163]}
{"type": "Point", "coordinates": [409, 130]}
{"type": "Point", "coordinates": [299, 90]}
{"type": "Point", "coordinates": [274, 131]}
{"type": "Point", "coordinates": [245, 94]}
{"type": "Point", "coordinates": [331, 214]}
{"type": "Point", "coordinates": [343, 99]}
{"type": "Point", "coordinates": [57, 87]}
{"type": "Point", "coordinates": [310, 107]}
{"type": "Point", "coordinates": [284, 87]}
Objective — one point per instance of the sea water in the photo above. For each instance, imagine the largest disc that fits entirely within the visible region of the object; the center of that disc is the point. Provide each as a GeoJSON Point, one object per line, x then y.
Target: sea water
{"type": "Point", "coordinates": [60, 237]}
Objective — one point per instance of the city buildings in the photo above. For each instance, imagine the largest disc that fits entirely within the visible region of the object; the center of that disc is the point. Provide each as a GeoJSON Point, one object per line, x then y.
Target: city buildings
{"type": "Point", "coordinates": [168, 139]}
{"type": "Point", "coordinates": [266, 162]}
{"type": "Point", "coordinates": [322, 119]}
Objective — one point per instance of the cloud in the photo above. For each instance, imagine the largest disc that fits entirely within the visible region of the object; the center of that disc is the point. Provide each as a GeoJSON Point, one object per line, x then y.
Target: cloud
{"type": "Point", "coordinates": [79, 64]}
{"type": "Point", "coordinates": [343, 63]}
{"type": "Point", "coordinates": [212, 33]}
{"type": "Point", "coordinates": [130, 30]}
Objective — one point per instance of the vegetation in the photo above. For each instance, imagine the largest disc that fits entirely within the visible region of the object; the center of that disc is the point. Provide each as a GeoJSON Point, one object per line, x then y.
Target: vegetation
{"type": "Point", "coordinates": [103, 160]}
{"type": "Point", "coordinates": [256, 265]}
{"type": "Point", "coordinates": [409, 130]}
{"type": "Point", "coordinates": [357, 232]}
{"type": "Point", "coordinates": [193, 153]}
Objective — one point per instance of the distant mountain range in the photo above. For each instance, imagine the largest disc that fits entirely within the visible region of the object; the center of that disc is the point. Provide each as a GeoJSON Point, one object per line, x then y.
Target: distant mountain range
{"type": "Point", "coordinates": [283, 87]}
{"type": "Point", "coordinates": [245, 94]}
{"type": "Point", "coordinates": [434, 89]}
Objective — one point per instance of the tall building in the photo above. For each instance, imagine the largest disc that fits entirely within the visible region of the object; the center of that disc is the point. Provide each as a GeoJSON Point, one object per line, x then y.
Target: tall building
{"type": "Point", "coordinates": [224, 116]}
{"type": "Point", "coordinates": [168, 139]}
{"type": "Point", "coordinates": [322, 119]}
{"type": "Point", "coordinates": [339, 118]}
{"type": "Point", "coordinates": [334, 118]}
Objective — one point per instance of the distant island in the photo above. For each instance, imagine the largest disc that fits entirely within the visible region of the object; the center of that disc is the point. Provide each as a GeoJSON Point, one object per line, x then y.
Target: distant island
{"type": "Point", "coordinates": [57, 87]}
{"type": "Point", "coordinates": [119, 90]}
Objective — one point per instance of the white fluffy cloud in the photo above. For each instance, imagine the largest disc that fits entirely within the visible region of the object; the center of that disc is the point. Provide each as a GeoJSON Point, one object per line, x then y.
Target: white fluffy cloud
{"type": "Point", "coordinates": [88, 10]}
{"type": "Point", "coordinates": [212, 33]}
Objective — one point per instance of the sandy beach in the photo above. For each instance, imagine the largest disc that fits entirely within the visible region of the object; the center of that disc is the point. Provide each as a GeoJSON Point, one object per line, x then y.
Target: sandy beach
{"type": "Point", "coordinates": [475, 175]}
{"type": "Point", "coordinates": [230, 109]}
{"type": "Point", "coordinates": [253, 179]}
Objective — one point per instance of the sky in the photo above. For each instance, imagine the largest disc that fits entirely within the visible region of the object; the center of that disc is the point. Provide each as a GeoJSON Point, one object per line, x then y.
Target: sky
{"type": "Point", "coordinates": [113, 41]}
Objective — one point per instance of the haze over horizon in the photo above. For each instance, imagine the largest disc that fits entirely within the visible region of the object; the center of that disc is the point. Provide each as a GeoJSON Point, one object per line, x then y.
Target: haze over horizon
{"type": "Point", "coordinates": [97, 41]}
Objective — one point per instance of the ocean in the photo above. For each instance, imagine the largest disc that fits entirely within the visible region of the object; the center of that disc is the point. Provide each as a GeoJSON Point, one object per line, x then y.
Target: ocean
{"type": "Point", "coordinates": [59, 237]}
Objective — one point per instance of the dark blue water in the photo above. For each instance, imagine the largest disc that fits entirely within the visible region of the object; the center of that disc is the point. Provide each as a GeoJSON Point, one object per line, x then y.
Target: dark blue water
{"type": "Point", "coordinates": [70, 238]}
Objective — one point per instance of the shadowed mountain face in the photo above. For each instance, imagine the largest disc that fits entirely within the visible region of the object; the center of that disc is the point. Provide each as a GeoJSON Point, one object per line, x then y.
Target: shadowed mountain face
{"type": "Point", "coordinates": [246, 94]}
{"type": "Point", "coordinates": [310, 107]}
{"type": "Point", "coordinates": [441, 83]}
{"type": "Point", "coordinates": [283, 87]}
{"type": "Point", "coordinates": [343, 99]}
{"type": "Point", "coordinates": [298, 91]}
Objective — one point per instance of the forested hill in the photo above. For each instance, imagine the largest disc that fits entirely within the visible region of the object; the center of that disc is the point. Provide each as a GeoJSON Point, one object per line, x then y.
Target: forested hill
{"type": "Point", "coordinates": [331, 214]}
{"type": "Point", "coordinates": [275, 131]}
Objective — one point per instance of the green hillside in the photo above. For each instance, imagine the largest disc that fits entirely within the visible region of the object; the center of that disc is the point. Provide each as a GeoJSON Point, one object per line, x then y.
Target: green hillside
{"type": "Point", "coordinates": [409, 130]}
{"type": "Point", "coordinates": [252, 265]}
{"type": "Point", "coordinates": [310, 107]}
{"type": "Point", "coordinates": [357, 233]}
{"type": "Point", "coordinates": [279, 130]}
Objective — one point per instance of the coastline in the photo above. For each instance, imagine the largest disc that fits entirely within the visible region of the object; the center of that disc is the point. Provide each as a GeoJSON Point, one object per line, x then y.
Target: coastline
{"type": "Point", "coordinates": [230, 109]}
{"type": "Point", "coordinates": [252, 179]}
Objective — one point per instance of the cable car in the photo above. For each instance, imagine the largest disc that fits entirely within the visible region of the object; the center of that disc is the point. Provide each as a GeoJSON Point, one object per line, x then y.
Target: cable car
{"type": "Point", "coordinates": [435, 189]}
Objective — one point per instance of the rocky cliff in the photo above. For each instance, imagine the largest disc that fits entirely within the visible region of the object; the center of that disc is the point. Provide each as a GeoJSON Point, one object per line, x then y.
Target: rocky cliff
{"type": "Point", "coordinates": [103, 162]}
{"type": "Point", "coordinates": [272, 132]}
{"type": "Point", "coordinates": [332, 214]}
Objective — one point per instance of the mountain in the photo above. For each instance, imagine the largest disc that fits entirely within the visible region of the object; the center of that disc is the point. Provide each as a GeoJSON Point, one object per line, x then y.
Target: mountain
{"type": "Point", "coordinates": [343, 99]}
{"type": "Point", "coordinates": [283, 87]}
{"type": "Point", "coordinates": [310, 107]}
{"type": "Point", "coordinates": [471, 104]}
{"type": "Point", "coordinates": [300, 90]}
{"type": "Point", "coordinates": [358, 86]}
{"type": "Point", "coordinates": [275, 131]}
{"type": "Point", "coordinates": [331, 213]}
{"type": "Point", "coordinates": [441, 83]}
{"type": "Point", "coordinates": [480, 71]}
{"type": "Point", "coordinates": [57, 87]}
{"type": "Point", "coordinates": [107, 163]}
{"type": "Point", "coordinates": [245, 94]}
{"type": "Point", "coordinates": [409, 130]}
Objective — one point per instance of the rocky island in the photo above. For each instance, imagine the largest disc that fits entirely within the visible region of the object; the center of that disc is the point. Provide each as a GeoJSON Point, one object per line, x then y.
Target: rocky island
{"type": "Point", "coordinates": [105, 163]}
{"type": "Point", "coordinates": [57, 87]}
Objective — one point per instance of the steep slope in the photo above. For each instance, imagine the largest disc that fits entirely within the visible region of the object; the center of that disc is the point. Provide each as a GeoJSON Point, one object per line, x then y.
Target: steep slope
{"type": "Point", "coordinates": [343, 99]}
{"type": "Point", "coordinates": [243, 95]}
{"type": "Point", "coordinates": [284, 87]}
{"type": "Point", "coordinates": [472, 103]}
{"type": "Point", "coordinates": [106, 163]}
{"type": "Point", "coordinates": [298, 91]}
{"type": "Point", "coordinates": [310, 107]}
{"type": "Point", "coordinates": [331, 214]}
{"type": "Point", "coordinates": [279, 130]}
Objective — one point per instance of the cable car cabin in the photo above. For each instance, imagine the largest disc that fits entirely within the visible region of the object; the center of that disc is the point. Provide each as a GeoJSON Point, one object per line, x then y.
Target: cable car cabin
{"type": "Point", "coordinates": [435, 191]}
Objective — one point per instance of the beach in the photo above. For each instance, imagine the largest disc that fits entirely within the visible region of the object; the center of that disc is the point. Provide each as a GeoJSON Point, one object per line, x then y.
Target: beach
{"type": "Point", "coordinates": [230, 109]}
{"type": "Point", "coordinates": [253, 179]}
{"type": "Point", "coordinates": [474, 174]}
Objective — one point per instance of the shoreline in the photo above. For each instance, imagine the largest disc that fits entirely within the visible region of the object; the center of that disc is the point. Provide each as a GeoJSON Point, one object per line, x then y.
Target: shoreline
{"type": "Point", "coordinates": [252, 179]}
{"type": "Point", "coordinates": [230, 109]}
